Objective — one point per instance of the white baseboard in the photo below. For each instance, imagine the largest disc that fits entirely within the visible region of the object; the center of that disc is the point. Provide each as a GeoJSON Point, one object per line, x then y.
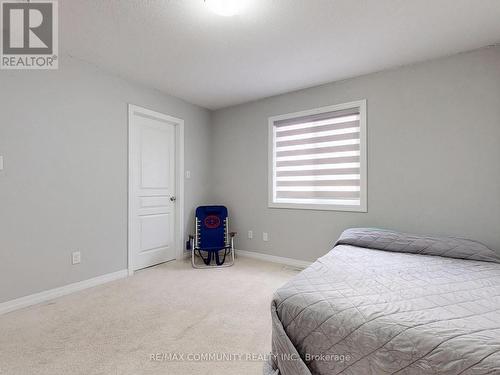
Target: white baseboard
{"type": "Point", "coordinates": [274, 259]}
{"type": "Point", "coordinates": [48, 295]}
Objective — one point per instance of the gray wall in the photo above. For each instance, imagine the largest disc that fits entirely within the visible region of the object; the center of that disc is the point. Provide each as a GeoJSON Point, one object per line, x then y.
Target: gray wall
{"type": "Point", "coordinates": [433, 157]}
{"type": "Point", "coordinates": [433, 150]}
{"type": "Point", "coordinates": [64, 187]}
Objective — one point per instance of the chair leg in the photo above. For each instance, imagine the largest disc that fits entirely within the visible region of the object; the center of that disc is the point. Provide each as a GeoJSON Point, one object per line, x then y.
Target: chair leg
{"type": "Point", "coordinates": [232, 255]}
{"type": "Point", "coordinates": [193, 263]}
{"type": "Point", "coordinates": [217, 259]}
{"type": "Point", "coordinates": [222, 264]}
{"type": "Point", "coordinates": [208, 260]}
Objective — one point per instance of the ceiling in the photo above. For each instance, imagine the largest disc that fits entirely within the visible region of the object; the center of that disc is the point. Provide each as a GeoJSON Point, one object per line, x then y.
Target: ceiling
{"type": "Point", "coordinates": [181, 48]}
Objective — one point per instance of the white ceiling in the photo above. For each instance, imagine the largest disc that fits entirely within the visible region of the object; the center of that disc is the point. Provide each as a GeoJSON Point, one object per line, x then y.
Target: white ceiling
{"type": "Point", "coordinates": [275, 46]}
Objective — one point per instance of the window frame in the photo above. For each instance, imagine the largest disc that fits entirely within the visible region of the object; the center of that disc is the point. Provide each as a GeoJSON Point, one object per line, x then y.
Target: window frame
{"type": "Point", "coordinates": [363, 207]}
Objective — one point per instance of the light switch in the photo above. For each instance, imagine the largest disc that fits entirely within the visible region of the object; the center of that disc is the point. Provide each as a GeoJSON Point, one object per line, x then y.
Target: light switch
{"type": "Point", "coordinates": [188, 175]}
{"type": "Point", "coordinates": [1, 163]}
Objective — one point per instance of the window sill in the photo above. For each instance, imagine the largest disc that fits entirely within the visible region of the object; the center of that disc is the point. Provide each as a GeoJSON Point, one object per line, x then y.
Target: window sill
{"type": "Point", "coordinates": [318, 207]}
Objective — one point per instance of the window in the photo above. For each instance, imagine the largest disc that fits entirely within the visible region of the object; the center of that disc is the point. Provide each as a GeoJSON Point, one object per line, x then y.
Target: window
{"type": "Point", "coordinates": [317, 158]}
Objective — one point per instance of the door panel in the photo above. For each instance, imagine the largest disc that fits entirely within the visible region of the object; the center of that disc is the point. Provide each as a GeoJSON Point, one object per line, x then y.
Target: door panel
{"type": "Point", "coordinates": [153, 233]}
{"type": "Point", "coordinates": [155, 157]}
{"type": "Point", "coordinates": [152, 176]}
{"type": "Point", "coordinates": [154, 202]}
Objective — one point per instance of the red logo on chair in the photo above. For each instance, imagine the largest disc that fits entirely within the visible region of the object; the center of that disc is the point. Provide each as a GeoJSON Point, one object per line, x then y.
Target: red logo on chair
{"type": "Point", "coordinates": [212, 222]}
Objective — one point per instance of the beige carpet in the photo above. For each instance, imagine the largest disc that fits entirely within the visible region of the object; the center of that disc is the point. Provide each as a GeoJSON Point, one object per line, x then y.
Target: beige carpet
{"type": "Point", "coordinates": [171, 309]}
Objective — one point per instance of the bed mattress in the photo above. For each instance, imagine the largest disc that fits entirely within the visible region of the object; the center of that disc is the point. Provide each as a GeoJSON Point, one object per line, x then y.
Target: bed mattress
{"type": "Point", "coordinates": [383, 302]}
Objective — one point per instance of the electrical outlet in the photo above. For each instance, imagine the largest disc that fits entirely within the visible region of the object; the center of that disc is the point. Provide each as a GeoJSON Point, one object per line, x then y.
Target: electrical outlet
{"type": "Point", "coordinates": [250, 234]}
{"type": "Point", "coordinates": [265, 236]}
{"type": "Point", "coordinates": [76, 257]}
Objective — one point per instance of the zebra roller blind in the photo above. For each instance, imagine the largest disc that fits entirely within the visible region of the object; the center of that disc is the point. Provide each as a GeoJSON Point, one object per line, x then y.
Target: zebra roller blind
{"type": "Point", "coordinates": [318, 158]}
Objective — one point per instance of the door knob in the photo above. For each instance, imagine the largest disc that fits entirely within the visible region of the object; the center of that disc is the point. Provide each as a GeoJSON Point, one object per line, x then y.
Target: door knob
{"type": "Point", "coordinates": [172, 199]}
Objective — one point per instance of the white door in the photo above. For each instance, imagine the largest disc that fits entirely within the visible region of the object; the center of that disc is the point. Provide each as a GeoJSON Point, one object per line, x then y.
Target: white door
{"type": "Point", "coordinates": [152, 189]}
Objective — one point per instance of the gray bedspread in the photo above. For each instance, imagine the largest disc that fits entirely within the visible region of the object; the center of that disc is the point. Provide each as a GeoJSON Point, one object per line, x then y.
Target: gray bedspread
{"type": "Point", "coordinates": [383, 302]}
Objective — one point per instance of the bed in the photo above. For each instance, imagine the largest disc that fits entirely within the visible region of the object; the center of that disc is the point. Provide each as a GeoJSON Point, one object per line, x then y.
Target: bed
{"type": "Point", "coordinates": [383, 302]}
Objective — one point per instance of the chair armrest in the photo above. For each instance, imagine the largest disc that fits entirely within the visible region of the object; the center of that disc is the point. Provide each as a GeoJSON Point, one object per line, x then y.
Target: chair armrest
{"type": "Point", "coordinates": [232, 234]}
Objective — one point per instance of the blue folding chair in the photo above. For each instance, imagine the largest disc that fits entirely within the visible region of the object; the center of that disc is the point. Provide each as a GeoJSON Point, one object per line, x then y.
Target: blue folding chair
{"type": "Point", "coordinates": [212, 237]}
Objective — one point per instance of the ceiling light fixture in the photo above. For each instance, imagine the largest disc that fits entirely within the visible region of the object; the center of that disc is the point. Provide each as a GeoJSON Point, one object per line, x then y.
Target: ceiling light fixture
{"type": "Point", "coordinates": [226, 8]}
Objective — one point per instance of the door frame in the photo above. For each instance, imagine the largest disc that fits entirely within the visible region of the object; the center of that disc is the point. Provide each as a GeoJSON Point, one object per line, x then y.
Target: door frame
{"type": "Point", "coordinates": [179, 178]}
